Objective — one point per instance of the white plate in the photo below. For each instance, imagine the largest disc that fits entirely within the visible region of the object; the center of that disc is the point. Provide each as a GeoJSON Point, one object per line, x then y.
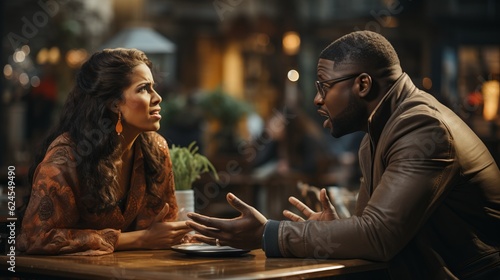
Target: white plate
{"type": "Point", "coordinates": [202, 249]}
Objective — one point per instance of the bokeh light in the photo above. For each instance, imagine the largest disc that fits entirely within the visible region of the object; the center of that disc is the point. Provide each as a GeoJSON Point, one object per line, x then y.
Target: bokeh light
{"type": "Point", "coordinates": [293, 75]}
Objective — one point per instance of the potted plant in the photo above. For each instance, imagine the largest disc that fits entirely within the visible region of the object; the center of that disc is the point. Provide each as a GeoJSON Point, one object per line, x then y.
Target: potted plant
{"type": "Point", "coordinates": [188, 165]}
{"type": "Point", "coordinates": [227, 111]}
{"type": "Point", "coordinates": [224, 107]}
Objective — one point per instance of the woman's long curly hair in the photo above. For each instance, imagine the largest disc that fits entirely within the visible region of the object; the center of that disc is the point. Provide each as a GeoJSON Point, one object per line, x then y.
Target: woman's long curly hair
{"type": "Point", "coordinates": [87, 119]}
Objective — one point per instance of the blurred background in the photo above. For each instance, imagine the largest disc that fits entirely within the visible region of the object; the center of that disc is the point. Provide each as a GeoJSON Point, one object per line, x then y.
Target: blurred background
{"type": "Point", "coordinates": [237, 77]}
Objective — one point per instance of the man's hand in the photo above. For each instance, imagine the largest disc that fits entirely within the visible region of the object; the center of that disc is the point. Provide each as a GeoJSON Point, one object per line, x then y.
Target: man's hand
{"type": "Point", "coordinates": [327, 214]}
{"type": "Point", "coordinates": [243, 232]}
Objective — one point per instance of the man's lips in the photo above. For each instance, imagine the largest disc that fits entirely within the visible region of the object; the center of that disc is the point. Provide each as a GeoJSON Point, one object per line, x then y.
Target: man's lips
{"type": "Point", "coordinates": [323, 113]}
{"type": "Point", "coordinates": [327, 122]}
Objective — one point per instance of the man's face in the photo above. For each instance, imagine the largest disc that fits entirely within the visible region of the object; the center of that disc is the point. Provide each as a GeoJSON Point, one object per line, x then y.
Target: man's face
{"type": "Point", "coordinates": [345, 112]}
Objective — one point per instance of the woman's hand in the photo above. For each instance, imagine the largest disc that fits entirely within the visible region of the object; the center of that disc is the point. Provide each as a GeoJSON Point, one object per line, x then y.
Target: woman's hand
{"type": "Point", "coordinates": [327, 214]}
{"type": "Point", "coordinates": [243, 232]}
{"type": "Point", "coordinates": [160, 235]}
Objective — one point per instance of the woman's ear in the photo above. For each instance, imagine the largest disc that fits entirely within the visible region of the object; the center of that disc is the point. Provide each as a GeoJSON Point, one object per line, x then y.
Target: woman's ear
{"type": "Point", "coordinates": [365, 85]}
{"type": "Point", "coordinates": [113, 106]}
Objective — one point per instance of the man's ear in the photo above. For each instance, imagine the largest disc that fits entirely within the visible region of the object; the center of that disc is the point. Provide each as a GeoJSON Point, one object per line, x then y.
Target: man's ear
{"type": "Point", "coordinates": [364, 85]}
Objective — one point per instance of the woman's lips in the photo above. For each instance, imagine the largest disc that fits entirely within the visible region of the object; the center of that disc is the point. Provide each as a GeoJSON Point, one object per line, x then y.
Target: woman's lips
{"type": "Point", "coordinates": [155, 114]}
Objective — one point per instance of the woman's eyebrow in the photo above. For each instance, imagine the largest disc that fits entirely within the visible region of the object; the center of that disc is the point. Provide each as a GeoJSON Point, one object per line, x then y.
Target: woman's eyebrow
{"type": "Point", "coordinates": [145, 83]}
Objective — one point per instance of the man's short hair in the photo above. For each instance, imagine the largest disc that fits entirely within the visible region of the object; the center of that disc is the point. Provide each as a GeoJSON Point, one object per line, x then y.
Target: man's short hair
{"type": "Point", "coordinates": [361, 47]}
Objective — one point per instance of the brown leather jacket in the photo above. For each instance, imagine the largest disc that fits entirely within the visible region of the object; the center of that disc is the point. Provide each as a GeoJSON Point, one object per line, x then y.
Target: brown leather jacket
{"type": "Point", "coordinates": [429, 200]}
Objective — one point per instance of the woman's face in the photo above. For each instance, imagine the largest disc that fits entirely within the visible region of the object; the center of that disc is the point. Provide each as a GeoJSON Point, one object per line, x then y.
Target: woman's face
{"type": "Point", "coordinates": [140, 105]}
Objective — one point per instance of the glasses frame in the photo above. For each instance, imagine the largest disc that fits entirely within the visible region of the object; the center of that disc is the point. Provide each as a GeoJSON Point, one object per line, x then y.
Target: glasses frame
{"type": "Point", "coordinates": [331, 83]}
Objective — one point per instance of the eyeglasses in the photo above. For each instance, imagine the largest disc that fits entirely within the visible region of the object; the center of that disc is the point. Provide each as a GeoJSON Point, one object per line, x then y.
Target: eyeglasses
{"type": "Point", "coordinates": [322, 89]}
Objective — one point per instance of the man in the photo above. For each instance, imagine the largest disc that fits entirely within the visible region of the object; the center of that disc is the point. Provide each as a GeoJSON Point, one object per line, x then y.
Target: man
{"type": "Point", "coordinates": [429, 199]}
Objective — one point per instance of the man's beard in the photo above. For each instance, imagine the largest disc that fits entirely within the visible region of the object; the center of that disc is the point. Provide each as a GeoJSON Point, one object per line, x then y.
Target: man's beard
{"type": "Point", "coordinates": [350, 120]}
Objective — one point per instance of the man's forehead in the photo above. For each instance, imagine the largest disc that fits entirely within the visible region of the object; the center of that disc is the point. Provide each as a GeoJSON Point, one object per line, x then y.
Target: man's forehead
{"type": "Point", "coordinates": [326, 67]}
{"type": "Point", "coordinates": [325, 63]}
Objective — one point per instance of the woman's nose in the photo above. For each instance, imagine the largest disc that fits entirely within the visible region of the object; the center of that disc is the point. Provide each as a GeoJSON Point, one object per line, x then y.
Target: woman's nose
{"type": "Point", "coordinates": [156, 97]}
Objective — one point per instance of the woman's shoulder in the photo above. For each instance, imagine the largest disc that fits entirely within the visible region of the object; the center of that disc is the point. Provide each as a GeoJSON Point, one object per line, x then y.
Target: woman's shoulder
{"type": "Point", "coordinates": [63, 140]}
{"type": "Point", "coordinates": [158, 139]}
{"type": "Point", "coordinates": [61, 151]}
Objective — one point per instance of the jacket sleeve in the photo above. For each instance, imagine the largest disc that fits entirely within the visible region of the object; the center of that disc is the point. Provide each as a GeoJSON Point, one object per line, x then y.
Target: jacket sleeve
{"type": "Point", "coordinates": [48, 225]}
{"type": "Point", "coordinates": [419, 163]}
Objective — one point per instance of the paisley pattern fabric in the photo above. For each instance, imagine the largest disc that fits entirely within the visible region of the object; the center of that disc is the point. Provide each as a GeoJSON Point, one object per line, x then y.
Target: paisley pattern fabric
{"type": "Point", "coordinates": [56, 221]}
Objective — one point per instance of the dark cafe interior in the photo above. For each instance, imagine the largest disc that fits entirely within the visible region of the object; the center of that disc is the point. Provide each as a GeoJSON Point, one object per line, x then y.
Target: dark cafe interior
{"type": "Point", "coordinates": [249, 101]}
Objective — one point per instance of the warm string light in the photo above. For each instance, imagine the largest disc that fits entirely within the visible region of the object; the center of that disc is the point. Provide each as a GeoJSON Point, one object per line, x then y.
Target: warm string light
{"type": "Point", "coordinates": [491, 93]}
{"type": "Point", "coordinates": [291, 43]}
{"type": "Point", "coordinates": [293, 75]}
{"type": "Point", "coordinates": [74, 59]}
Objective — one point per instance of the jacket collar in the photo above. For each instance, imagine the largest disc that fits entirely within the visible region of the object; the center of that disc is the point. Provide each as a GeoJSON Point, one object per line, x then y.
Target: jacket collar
{"type": "Point", "coordinates": [389, 105]}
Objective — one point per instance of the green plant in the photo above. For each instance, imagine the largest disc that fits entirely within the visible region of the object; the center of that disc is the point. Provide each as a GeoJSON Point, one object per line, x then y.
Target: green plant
{"type": "Point", "coordinates": [224, 107]}
{"type": "Point", "coordinates": [188, 165]}
{"type": "Point", "coordinates": [171, 108]}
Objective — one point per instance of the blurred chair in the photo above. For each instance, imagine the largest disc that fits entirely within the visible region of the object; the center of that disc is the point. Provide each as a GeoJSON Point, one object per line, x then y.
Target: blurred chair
{"type": "Point", "coordinates": [343, 200]}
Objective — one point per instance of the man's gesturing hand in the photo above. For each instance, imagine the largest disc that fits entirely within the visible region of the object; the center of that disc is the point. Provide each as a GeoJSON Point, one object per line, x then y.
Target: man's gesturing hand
{"type": "Point", "coordinates": [327, 214]}
{"type": "Point", "coordinates": [243, 232]}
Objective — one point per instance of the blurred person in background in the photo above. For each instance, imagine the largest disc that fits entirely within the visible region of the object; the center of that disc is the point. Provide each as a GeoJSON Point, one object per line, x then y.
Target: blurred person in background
{"type": "Point", "coordinates": [292, 142]}
{"type": "Point", "coordinates": [429, 198]}
{"type": "Point", "coordinates": [103, 179]}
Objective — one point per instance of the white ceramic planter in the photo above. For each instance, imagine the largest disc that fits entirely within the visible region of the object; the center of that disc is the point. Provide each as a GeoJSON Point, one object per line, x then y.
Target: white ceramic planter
{"type": "Point", "coordinates": [185, 202]}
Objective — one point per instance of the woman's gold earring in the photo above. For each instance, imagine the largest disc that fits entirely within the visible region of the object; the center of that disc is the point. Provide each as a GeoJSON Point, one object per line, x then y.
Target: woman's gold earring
{"type": "Point", "coordinates": [119, 127]}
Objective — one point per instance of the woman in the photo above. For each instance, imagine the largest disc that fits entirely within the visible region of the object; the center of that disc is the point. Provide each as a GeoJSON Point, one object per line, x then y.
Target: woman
{"type": "Point", "coordinates": [104, 181]}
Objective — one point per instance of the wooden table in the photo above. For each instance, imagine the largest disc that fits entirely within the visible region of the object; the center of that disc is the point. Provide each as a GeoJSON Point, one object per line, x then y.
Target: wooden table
{"type": "Point", "coordinates": [167, 264]}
